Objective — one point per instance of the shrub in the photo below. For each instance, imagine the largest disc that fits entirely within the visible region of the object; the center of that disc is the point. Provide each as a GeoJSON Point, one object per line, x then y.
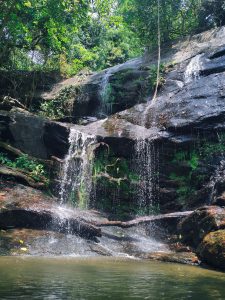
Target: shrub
{"type": "Point", "coordinates": [35, 169]}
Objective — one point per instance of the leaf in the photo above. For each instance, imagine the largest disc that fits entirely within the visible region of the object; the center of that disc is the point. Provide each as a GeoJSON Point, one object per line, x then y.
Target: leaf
{"type": "Point", "coordinates": [28, 4]}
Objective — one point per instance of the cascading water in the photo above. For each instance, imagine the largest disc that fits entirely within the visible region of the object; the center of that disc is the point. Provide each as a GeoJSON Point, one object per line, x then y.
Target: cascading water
{"type": "Point", "coordinates": [193, 69]}
{"type": "Point", "coordinates": [106, 106]}
{"type": "Point", "coordinates": [105, 92]}
{"type": "Point", "coordinates": [146, 166]}
{"type": "Point", "coordinates": [76, 179]}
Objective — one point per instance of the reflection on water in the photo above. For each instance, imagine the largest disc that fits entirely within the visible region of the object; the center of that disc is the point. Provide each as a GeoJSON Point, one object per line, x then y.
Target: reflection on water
{"type": "Point", "coordinates": [96, 279]}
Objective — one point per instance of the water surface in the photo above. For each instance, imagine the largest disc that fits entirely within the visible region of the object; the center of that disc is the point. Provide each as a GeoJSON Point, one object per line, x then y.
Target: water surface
{"type": "Point", "coordinates": [96, 279]}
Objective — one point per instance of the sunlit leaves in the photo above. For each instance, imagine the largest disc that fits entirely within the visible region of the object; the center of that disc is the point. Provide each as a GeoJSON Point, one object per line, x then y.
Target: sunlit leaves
{"type": "Point", "coordinates": [27, 4]}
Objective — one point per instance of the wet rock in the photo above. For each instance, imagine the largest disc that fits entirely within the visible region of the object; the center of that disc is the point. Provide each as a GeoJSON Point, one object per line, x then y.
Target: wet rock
{"type": "Point", "coordinates": [100, 250]}
{"type": "Point", "coordinates": [20, 242]}
{"type": "Point", "coordinates": [212, 249]}
{"type": "Point", "coordinates": [220, 201]}
{"type": "Point", "coordinates": [107, 92]}
{"type": "Point", "coordinates": [24, 207]}
{"type": "Point", "coordinates": [189, 112]}
{"type": "Point", "coordinates": [181, 257]}
{"type": "Point", "coordinates": [201, 222]}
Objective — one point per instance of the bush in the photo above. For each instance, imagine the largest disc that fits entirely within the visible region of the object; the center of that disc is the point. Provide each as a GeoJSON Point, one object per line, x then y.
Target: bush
{"type": "Point", "coordinates": [23, 162]}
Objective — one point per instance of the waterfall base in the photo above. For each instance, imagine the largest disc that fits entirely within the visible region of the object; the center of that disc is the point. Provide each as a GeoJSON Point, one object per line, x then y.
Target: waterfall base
{"type": "Point", "coordinates": [47, 229]}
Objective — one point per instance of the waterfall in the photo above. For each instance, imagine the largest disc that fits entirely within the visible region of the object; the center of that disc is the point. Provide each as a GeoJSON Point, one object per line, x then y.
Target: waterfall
{"type": "Point", "coordinates": [193, 69]}
{"type": "Point", "coordinates": [105, 91]}
{"type": "Point", "coordinates": [146, 166]}
{"type": "Point", "coordinates": [76, 175]}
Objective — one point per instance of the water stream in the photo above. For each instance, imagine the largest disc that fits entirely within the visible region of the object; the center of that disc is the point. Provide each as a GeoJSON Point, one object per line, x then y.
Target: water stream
{"type": "Point", "coordinates": [105, 92]}
{"type": "Point", "coordinates": [76, 178]}
{"type": "Point", "coordinates": [146, 166]}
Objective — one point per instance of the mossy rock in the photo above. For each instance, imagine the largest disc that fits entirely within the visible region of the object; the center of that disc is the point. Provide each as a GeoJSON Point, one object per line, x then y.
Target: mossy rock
{"type": "Point", "coordinates": [212, 249]}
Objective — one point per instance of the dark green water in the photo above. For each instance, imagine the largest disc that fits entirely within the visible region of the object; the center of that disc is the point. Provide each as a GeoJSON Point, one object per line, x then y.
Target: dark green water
{"type": "Point", "coordinates": [72, 278]}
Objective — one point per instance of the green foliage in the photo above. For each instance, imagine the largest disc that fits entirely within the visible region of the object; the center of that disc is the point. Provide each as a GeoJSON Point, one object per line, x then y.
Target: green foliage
{"type": "Point", "coordinates": [64, 35]}
{"type": "Point", "coordinates": [212, 13]}
{"type": "Point", "coordinates": [114, 174]}
{"type": "Point", "coordinates": [45, 26]}
{"type": "Point", "coordinates": [185, 189]}
{"type": "Point", "coordinates": [71, 35]}
{"type": "Point", "coordinates": [192, 159]}
{"type": "Point", "coordinates": [117, 168]}
{"type": "Point", "coordinates": [62, 104]}
{"type": "Point", "coordinates": [35, 169]}
{"type": "Point", "coordinates": [153, 75]}
{"type": "Point", "coordinates": [177, 18]}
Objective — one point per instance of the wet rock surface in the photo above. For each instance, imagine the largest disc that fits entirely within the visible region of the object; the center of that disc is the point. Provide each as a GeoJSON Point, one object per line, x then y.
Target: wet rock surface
{"type": "Point", "coordinates": [24, 207]}
{"type": "Point", "coordinates": [32, 223]}
{"type": "Point", "coordinates": [189, 258]}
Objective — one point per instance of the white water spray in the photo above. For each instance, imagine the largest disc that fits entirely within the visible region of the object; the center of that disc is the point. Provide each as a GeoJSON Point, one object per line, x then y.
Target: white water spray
{"type": "Point", "coordinates": [146, 166]}
{"type": "Point", "coordinates": [105, 91]}
{"type": "Point", "coordinates": [76, 178]}
{"type": "Point", "coordinates": [193, 69]}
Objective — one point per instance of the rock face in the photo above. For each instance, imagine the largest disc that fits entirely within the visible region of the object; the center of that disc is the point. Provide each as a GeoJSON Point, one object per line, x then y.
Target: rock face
{"type": "Point", "coordinates": [181, 134]}
{"type": "Point", "coordinates": [204, 231]}
{"type": "Point", "coordinates": [34, 135]}
{"type": "Point", "coordinates": [180, 137]}
{"type": "Point", "coordinates": [107, 92]}
{"type": "Point", "coordinates": [150, 157]}
{"type": "Point", "coordinates": [212, 249]}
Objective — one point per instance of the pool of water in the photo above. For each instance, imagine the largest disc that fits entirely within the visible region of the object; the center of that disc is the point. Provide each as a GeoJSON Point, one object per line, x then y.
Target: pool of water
{"type": "Point", "coordinates": [96, 279]}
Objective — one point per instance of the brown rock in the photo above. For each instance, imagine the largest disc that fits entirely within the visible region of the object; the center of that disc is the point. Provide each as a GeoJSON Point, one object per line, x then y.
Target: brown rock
{"type": "Point", "coordinates": [182, 257]}
{"type": "Point", "coordinates": [212, 249]}
{"type": "Point", "coordinates": [202, 221]}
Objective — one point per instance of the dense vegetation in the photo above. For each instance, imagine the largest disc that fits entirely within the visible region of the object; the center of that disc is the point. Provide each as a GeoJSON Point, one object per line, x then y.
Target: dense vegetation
{"type": "Point", "coordinates": [70, 35]}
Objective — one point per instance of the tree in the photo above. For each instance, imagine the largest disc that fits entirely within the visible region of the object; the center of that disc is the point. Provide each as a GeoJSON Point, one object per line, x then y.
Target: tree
{"type": "Point", "coordinates": [44, 25]}
{"type": "Point", "coordinates": [177, 18]}
{"type": "Point", "coordinates": [212, 13]}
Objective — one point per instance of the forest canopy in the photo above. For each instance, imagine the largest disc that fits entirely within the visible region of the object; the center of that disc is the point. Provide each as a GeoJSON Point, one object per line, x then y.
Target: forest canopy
{"type": "Point", "coordinates": [70, 35]}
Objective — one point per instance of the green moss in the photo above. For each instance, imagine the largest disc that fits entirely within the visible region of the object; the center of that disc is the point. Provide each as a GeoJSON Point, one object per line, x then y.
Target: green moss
{"type": "Point", "coordinates": [116, 184]}
{"type": "Point", "coordinates": [189, 183]}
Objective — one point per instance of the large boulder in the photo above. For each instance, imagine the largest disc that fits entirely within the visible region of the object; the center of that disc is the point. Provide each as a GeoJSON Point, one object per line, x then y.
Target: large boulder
{"type": "Point", "coordinates": [201, 222]}
{"type": "Point", "coordinates": [212, 249]}
{"type": "Point", "coordinates": [34, 135]}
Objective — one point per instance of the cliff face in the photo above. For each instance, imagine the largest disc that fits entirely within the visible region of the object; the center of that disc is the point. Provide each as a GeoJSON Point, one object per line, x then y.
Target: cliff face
{"type": "Point", "coordinates": [178, 139]}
